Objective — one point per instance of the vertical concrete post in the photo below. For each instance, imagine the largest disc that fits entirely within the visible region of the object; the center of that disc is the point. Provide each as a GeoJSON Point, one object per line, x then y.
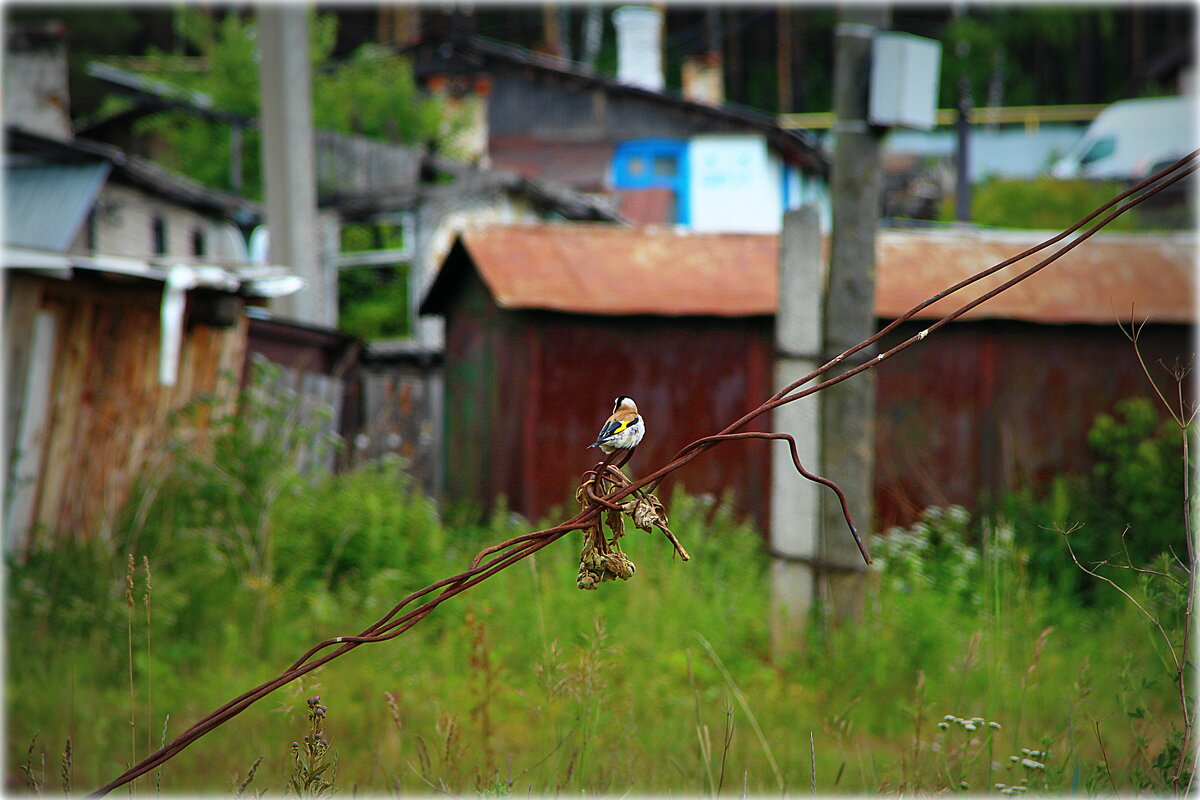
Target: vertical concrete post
{"type": "Point", "coordinates": [796, 502]}
{"type": "Point", "coordinates": [289, 170]}
{"type": "Point", "coordinates": [848, 409]}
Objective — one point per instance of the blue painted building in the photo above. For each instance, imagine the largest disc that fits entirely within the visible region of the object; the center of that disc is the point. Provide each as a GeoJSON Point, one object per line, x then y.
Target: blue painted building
{"type": "Point", "coordinates": [661, 157]}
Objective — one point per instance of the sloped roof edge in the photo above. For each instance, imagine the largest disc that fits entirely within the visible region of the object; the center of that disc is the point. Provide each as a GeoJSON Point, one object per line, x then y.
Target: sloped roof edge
{"type": "Point", "coordinates": [474, 180]}
{"type": "Point", "coordinates": [475, 47]}
{"type": "Point", "coordinates": [137, 171]}
{"type": "Point", "coordinates": [581, 269]}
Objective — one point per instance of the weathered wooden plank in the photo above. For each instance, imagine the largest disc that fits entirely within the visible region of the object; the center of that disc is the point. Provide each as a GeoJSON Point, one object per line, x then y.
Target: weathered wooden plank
{"type": "Point", "coordinates": [71, 353]}
{"type": "Point", "coordinates": [21, 304]}
{"type": "Point", "coordinates": [31, 434]}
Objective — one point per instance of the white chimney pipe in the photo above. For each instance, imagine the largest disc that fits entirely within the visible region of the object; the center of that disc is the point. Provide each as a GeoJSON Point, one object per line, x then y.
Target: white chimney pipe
{"type": "Point", "coordinates": [639, 59]}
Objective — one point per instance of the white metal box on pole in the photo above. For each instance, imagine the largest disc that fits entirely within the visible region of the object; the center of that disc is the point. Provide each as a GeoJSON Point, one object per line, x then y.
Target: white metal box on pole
{"type": "Point", "coordinates": [904, 80]}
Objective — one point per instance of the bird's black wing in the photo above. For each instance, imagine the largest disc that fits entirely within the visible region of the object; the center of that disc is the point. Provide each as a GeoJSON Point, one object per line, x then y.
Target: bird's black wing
{"type": "Point", "coordinates": [610, 427]}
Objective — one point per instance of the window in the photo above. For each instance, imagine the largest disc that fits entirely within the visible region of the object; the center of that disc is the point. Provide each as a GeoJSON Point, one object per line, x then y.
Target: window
{"type": "Point", "coordinates": [160, 236]}
{"type": "Point", "coordinates": [658, 164]}
{"type": "Point", "coordinates": [91, 233]}
{"type": "Point", "coordinates": [198, 244]}
{"type": "Point", "coordinates": [1103, 148]}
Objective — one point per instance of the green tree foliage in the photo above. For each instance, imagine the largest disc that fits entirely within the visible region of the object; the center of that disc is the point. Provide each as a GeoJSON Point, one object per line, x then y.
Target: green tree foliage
{"type": "Point", "coordinates": [373, 301]}
{"type": "Point", "coordinates": [372, 93]}
{"type": "Point", "coordinates": [1018, 45]}
{"type": "Point", "coordinates": [1036, 54]}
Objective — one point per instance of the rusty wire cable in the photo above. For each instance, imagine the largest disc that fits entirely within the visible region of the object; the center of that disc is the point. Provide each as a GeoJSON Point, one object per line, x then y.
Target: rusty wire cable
{"type": "Point", "coordinates": [505, 554]}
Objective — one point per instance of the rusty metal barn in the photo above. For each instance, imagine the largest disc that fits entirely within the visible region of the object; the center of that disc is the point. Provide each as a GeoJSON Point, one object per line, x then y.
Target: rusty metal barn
{"type": "Point", "coordinates": [546, 324]}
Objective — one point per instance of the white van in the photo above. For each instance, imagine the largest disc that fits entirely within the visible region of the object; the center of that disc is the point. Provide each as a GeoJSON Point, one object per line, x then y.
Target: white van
{"type": "Point", "coordinates": [1132, 138]}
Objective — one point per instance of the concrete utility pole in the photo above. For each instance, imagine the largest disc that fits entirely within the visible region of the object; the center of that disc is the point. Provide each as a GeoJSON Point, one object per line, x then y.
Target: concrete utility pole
{"type": "Point", "coordinates": [796, 502]}
{"type": "Point", "coordinates": [848, 409]}
{"type": "Point", "coordinates": [289, 162]}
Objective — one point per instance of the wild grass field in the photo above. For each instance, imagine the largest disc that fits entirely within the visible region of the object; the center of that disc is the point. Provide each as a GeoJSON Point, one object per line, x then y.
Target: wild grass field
{"type": "Point", "coordinates": [969, 670]}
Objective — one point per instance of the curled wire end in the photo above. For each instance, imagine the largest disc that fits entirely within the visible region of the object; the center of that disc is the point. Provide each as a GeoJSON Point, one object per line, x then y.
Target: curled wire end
{"type": "Point", "coordinates": [862, 546]}
{"type": "Point", "coordinates": [709, 441]}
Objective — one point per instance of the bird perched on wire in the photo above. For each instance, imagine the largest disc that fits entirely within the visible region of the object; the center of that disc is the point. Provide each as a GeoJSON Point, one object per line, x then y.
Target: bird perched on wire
{"type": "Point", "coordinates": [623, 430]}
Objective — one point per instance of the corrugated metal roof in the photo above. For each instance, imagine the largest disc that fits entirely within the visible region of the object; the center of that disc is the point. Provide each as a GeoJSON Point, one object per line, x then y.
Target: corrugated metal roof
{"type": "Point", "coordinates": [1094, 283]}
{"type": "Point", "coordinates": [609, 270]}
{"type": "Point", "coordinates": [604, 269]}
{"type": "Point", "coordinates": [45, 204]}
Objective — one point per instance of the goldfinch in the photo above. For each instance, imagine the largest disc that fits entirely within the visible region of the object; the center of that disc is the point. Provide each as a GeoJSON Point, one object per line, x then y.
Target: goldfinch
{"type": "Point", "coordinates": [623, 430]}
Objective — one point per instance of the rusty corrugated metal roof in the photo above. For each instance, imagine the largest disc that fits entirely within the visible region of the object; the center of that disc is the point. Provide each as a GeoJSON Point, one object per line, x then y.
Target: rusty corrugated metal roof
{"type": "Point", "coordinates": [610, 270]}
{"type": "Point", "coordinates": [605, 269]}
{"type": "Point", "coordinates": [1094, 283]}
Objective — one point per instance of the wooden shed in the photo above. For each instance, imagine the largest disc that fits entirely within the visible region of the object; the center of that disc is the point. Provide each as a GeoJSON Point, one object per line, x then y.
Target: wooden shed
{"type": "Point", "coordinates": [546, 324]}
{"type": "Point", "coordinates": [89, 395]}
{"type": "Point", "coordinates": [122, 303]}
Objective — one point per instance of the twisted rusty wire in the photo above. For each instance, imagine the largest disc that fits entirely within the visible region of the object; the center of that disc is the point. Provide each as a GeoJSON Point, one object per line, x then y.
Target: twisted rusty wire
{"type": "Point", "coordinates": [784, 396]}
{"type": "Point", "coordinates": [503, 555]}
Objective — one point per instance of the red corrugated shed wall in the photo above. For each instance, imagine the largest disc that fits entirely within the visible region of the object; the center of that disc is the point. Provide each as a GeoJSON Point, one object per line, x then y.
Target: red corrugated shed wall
{"type": "Point", "coordinates": [976, 409]}
{"type": "Point", "coordinates": [980, 408]}
{"type": "Point", "coordinates": [526, 393]}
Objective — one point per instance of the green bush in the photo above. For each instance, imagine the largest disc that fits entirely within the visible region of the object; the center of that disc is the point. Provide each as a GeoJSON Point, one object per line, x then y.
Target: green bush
{"type": "Point", "coordinates": [1041, 203]}
{"type": "Point", "coordinates": [1128, 508]}
{"type": "Point", "coordinates": [354, 525]}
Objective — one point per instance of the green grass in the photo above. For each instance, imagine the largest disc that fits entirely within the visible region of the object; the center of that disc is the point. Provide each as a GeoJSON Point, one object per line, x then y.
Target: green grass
{"type": "Point", "coordinates": [526, 679]}
{"type": "Point", "coordinates": [666, 683]}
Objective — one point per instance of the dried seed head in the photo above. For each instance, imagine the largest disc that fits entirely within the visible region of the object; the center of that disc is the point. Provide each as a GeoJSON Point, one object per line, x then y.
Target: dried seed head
{"type": "Point", "coordinates": [647, 512]}
{"type": "Point", "coordinates": [616, 523]}
{"type": "Point", "coordinates": [129, 567]}
{"type": "Point", "coordinates": [149, 588]}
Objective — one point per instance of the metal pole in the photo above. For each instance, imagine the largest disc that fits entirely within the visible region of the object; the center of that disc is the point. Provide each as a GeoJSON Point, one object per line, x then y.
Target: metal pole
{"type": "Point", "coordinates": [962, 153]}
